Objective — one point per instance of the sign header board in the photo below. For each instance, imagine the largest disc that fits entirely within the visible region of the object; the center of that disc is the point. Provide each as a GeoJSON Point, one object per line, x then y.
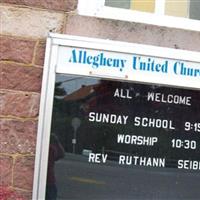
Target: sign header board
{"type": "Point", "coordinates": [182, 69]}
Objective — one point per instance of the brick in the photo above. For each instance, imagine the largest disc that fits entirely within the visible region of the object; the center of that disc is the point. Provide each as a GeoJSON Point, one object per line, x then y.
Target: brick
{"type": "Point", "coordinates": [23, 195]}
{"type": "Point", "coordinates": [17, 77]}
{"type": "Point", "coordinates": [9, 193]}
{"type": "Point", "coordinates": [40, 54]}
{"type": "Point", "coordinates": [61, 5]}
{"type": "Point", "coordinates": [23, 172]}
{"type": "Point", "coordinates": [18, 50]}
{"type": "Point", "coordinates": [19, 104]}
{"type": "Point", "coordinates": [6, 163]}
{"type": "Point", "coordinates": [18, 136]}
{"type": "Point", "coordinates": [132, 32]}
{"type": "Point", "coordinates": [28, 22]}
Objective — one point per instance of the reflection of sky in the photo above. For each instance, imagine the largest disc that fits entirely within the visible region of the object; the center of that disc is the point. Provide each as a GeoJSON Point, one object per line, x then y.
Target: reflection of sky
{"type": "Point", "coordinates": [71, 83]}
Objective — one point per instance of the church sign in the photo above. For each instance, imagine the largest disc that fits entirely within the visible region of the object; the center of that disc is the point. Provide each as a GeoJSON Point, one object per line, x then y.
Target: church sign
{"type": "Point", "coordinates": [118, 121]}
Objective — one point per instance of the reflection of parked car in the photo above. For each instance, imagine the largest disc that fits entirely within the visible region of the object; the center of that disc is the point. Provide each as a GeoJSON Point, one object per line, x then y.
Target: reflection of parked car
{"type": "Point", "coordinates": [171, 163]}
{"type": "Point", "coordinates": [114, 155]}
{"type": "Point", "coordinates": [86, 152]}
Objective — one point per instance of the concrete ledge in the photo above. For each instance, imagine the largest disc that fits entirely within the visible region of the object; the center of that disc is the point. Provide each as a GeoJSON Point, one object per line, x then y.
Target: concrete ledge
{"type": "Point", "coordinates": [29, 22]}
{"type": "Point", "coordinates": [132, 32]}
{"type": "Point", "coordinates": [61, 5]}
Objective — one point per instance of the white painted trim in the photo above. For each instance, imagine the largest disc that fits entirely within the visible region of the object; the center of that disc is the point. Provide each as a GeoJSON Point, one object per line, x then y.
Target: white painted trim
{"type": "Point", "coordinates": [160, 7]}
{"type": "Point", "coordinates": [90, 7]}
{"type": "Point", "coordinates": [135, 16]}
{"type": "Point", "coordinates": [48, 107]}
{"type": "Point", "coordinates": [37, 174]}
{"type": "Point", "coordinates": [125, 47]}
{"type": "Point", "coordinates": [44, 124]}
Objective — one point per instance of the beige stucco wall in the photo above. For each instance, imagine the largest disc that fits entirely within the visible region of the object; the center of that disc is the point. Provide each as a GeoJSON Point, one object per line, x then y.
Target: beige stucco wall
{"type": "Point", "coordinates": [182, 11]}
{"type": "Point", "coordinates": [29, 22]}
{"type": "Point", "coordinates": [132, 32]}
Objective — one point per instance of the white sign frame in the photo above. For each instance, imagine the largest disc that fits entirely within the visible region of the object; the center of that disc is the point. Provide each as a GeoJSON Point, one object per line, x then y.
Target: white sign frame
{"type": "Point", "coordinates": [55, 42]}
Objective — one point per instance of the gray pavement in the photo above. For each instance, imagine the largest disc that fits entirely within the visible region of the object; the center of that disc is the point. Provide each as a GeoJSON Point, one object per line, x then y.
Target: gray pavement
{"type": "Point", "coordinates": [79, 180]}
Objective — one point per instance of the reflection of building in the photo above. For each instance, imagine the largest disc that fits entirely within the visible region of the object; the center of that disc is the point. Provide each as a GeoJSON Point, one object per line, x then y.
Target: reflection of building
{"type": "Point", "coordinates": [84, 95]}
{"type": "Point", "coordinates": [81, 94]}
{"type": "Point", "coordinates": [99, 97]}
{"type": "Point", "coordinates": [183, 8]}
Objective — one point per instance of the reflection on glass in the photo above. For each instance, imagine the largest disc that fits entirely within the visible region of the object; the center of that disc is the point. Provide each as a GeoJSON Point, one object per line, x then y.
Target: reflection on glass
{"type": "Point", "coordinates": [118, 4]}
{"type": "Point", "coordinates": [194, 12]}
{"type": "Point", "coordinates": [124, 140]}
{"type": "Point", "coordinates": [56, 152]}
{"type": "Point", "coordinates": [177, 8]}
{"type": "Point", "coordinates": [142, 5]}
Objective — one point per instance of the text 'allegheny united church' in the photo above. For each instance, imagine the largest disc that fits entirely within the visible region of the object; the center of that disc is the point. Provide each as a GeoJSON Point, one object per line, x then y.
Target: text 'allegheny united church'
{"type": "Point", "coordinates": [137, 63]}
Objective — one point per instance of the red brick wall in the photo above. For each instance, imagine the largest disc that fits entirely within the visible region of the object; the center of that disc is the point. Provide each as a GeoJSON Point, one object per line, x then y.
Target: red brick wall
{"type": "Point", "coordinates": [21, 68]}
{"type": "Point", "coordinates": [20, 84]}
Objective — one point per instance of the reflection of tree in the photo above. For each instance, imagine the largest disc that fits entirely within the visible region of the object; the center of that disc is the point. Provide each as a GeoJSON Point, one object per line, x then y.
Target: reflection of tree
{"type": "Point", "coordinates": [59, 91]}
{"type": "Point", "coordinates": [58, 125]}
